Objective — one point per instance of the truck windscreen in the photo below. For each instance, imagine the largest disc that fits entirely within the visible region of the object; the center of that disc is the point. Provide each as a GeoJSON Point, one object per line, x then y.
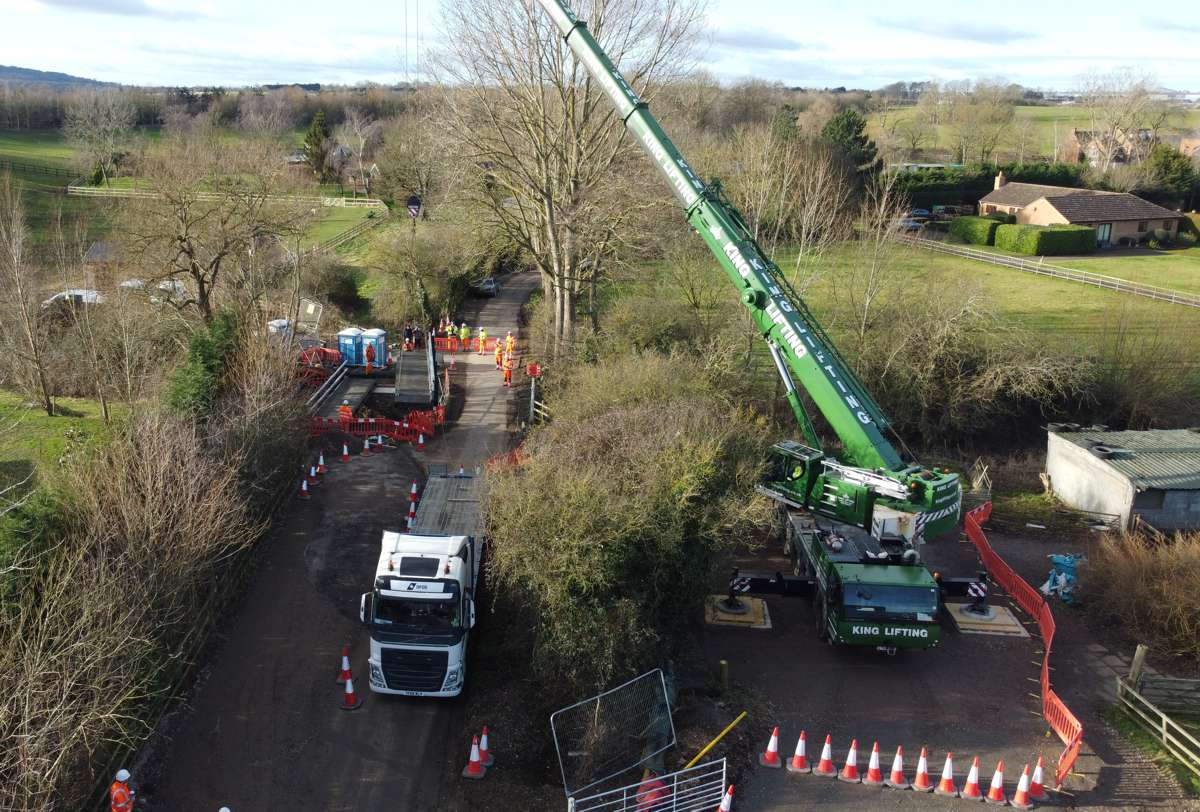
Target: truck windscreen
{"type": "Point", "coordinates": [429, 615]}
{"type": "Point", "coordinates": [865, 601]}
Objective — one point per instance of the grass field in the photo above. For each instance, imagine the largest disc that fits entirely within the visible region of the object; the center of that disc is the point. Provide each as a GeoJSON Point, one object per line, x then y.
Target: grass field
{"type": "Point", "coordinates": [1176, 269]}
{"type": "Point", "coordinates": [334, 220]}
{"type": "Point", "coordinates": [32, 442]}
{"type": "Point", "coordinates": [1072, 315]}
{"type": "Point", "coordinates": [1045, 120]}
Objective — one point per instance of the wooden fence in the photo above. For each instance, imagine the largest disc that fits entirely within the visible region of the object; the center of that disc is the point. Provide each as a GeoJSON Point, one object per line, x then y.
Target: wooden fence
{"type": "Point", "coordinates": [1056, 271]}
{"type": "Point", "coordinates": [83, 190]}
{"type": "Point", "coordinates": [1144, 697]}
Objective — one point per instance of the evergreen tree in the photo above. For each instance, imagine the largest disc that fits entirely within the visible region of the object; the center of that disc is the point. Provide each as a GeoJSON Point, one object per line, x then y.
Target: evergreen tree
{"type": "Point", "coordinates": [846, 133]}
{"type": "Point", "coordinates": [1171, 172]}
{"type": "Point", "coordinates": [316, 145]}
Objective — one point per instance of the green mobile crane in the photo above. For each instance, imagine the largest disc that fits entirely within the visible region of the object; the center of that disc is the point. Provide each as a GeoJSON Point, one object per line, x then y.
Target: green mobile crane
{"type": "Point", "coordinates": [882, 507]}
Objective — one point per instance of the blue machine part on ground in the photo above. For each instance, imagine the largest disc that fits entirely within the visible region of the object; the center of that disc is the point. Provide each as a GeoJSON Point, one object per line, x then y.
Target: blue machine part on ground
{"type": "Point", "coordinates": [1063, 578]}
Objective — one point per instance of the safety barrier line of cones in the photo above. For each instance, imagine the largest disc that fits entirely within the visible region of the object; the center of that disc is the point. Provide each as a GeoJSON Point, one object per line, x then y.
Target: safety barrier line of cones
{"type": "Point", "coordinates": [1030, 787]}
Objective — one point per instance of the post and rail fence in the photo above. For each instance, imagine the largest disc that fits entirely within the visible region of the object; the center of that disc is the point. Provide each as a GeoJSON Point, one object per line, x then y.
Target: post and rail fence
{"type": "Point", "coordinates": [1055, 271]}
{"type": "Point", "coordinates": [1146, 698]}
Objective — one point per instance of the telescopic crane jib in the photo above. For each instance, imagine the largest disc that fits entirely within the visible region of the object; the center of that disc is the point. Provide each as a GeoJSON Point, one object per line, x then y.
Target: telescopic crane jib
{"type": "Point", "coordinates": [919, 501]}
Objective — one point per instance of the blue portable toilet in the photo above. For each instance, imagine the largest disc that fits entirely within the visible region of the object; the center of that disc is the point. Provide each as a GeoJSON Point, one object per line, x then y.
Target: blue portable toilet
{"type": "Point", "coordinates": [377, 338]}
{"type": "Point", "coordinates": [349, 343]}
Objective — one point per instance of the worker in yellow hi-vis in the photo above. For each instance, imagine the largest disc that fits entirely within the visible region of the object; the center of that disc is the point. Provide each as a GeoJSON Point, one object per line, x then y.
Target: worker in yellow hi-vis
{"type": "Point", "coordinates": [482, 341]}
{"type": "Point", "coordinates": [464, 338]}
{"type": "Point", "coordinates": [499, 356]}
{"type": "Point", "coordinates": [510, 343]}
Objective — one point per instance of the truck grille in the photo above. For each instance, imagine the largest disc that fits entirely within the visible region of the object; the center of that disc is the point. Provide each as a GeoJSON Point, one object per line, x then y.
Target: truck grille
{"type": "Point", "coordinates": [409, 670]}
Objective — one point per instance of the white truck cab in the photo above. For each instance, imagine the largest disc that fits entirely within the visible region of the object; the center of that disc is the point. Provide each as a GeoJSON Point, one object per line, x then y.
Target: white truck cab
{"type": "Point", "coordinates": [422, 608]}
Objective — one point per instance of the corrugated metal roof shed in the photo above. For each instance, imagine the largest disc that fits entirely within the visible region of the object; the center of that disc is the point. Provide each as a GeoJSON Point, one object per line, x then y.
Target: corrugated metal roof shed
{"type": "Point", "coordinates": [1166, 459]}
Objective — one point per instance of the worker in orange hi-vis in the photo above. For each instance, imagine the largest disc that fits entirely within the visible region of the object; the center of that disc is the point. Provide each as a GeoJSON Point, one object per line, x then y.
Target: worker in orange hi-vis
{"type": "Point", "coordinates": [370, 354]}
{"type": "Point", "coordinates": [510, 343]}
{"type": "Point", "coordinates": [508, 368]}
{"type": "Point", "coordinates": [119, 794]}
{"type": "Point", "coordinates": [499, 356]}
{"type": "Point", "coordinates": [345, 413]}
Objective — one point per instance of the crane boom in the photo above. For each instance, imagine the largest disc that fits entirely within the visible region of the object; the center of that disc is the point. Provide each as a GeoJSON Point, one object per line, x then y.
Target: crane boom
{"type": "Point", "coordinates": [780, 314]}
{"type": "Point", "coordinates": [914, 500]}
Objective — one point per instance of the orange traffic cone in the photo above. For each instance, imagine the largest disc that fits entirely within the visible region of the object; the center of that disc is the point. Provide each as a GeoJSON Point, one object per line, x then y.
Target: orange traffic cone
{"type": "Point", "coordinates": [345, 453]}
{"type": "Point", "coordinates": [304, 489]}
{"type": "Point", "coordinates": [971, 790]}
{"type": "Point", "coordinates": [412, 514]}
{"type": "Point", "coordinates": [727, 801]}
{"type": "Point", "coordinates": [312, 475]}
{"type": "Point", "coordinates": [345, 675]}
{"type": "Point", "coordinates": [825, 765]}
{"type": "Point", "coordinates": [412, 492]}
{"type": "Point", "coordinates": [849, 772]}
{"type": "Point", "coordinates": [799, 762]}
{"type": "Point", "coordinates": [1021, 799]}
{"type": "Point", "coordinates": [874, 777]}
{"type": "Point", "coordinates": [1037, 791]}
{"type": "Point", "coordinates": [485, 755]}
{"type": "Point", "coordinates": [420, 442]}
{"type": "Point", "coordinates": [946, 784]}
{"type": "Point", "coordinates": [321, 469]}
{"type": "Point", "coordinates": [771, 757]}
{"type": "Point", "coordinates": [366, 452]}
{"type": "Point", "coordinates": [350, 700]}
{"type": "Point", "coordinates": [474, 768]}
{"type": "Point", "coordinates": [896, 779]}
{"type": "Point", "coordinates": [921, 782]}
{"type": "Point", "coordinates": [995, 793]}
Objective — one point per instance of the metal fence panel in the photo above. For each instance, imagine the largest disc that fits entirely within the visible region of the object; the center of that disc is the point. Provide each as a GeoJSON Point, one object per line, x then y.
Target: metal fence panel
{"type": "Point", "coordinates": [601, 737]}
{"type": "Point", "coordinates": [689, 790]}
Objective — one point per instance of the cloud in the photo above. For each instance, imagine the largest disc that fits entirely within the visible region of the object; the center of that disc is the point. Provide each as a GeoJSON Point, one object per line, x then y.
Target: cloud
{"type": "Point", "coordinates": [752, 39]}
{"type": "Point", "coordinates": [126, 8]}
{"type": "Point", "coordinates": [972, 32]}
{"type": "Point", "coordinates": [1160, 25]}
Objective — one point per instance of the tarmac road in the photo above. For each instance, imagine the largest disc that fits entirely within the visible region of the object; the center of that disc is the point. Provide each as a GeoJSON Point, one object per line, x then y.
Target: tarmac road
{"type": "Point", "coordinates": [263, 728]}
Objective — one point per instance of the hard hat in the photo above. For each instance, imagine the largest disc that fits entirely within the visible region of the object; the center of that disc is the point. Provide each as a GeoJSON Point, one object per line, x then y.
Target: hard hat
{"type": "Point", "coordinates": [122, 775]}
{"type": "Point", "coordinates": [345, 403]}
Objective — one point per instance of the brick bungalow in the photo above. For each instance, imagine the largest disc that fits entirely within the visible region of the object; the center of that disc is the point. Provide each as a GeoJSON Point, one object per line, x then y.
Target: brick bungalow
{"type": "Point", "coordinates": [1116, 216]}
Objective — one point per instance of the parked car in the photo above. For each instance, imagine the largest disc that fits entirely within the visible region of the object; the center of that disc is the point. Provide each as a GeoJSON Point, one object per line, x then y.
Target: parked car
{"type": "Point", "coordinates": [73, 297]}
{"type": "Point", "coordinates": [172, 289]}
{"type": "Point", "coordinates": [915, 213]}
{"type": "Point", "coordinates": [909, 225]}
{"type": "Point", "coordinates": [486, 287]}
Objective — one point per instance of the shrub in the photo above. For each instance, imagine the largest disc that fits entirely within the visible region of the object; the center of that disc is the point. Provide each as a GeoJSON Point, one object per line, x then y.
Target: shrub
{"type": "Point", "coordinates": [609, 588]}
{"type": "Point", "coordinates": [1046, 241]}
{"type": "Point", "coordinates": [1147, 587]}
{"type": "Point", "coordinates": [974, 230]}
{"type": "Point", "coordinates": [196, 385]}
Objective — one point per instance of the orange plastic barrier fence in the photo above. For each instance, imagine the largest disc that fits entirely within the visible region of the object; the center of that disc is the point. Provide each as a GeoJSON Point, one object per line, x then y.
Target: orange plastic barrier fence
{"type": "Point", "coordinates": [409, 430]}
{"type": "Point", "coordinates": [446, 344]}
{"type": "Point", "coordinates": [1054, 710]}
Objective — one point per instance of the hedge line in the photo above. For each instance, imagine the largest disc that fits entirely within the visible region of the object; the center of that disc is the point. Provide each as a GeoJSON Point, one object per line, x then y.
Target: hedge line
{"type": "Point", "coordinates": [1046, 241]}
{"type": "Point", "coordinates": [975, 230]}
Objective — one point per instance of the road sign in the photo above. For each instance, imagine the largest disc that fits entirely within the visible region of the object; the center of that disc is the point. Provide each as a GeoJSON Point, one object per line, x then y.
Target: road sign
{"type": "Point", "coordinates": [414, 207]}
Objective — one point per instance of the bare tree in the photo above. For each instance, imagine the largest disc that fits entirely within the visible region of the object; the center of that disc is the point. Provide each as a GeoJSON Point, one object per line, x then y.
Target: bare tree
{"type": "Point", "coordinates": [1125, 117]}
{"type": "Point", "coordinates": [264, 113]}
{"type": "Point", "coordinates": [979, 115]}
{"type": "Point", "coordinates": [414, 159]}
{"type": "Point", "coordinates": [21, 325]}
{"type": "Point", "coordinates": [361, 131]}
{"type": "Point", "coordinates": [70, 246]}
{"type": "Point", "coordinates": [540, 136]}
{"type": "Point", "coordinates": [212, 220]}
{"type": "Point", "coordinates": [1023, 134]}
{"type": "Point", "coordinates": [914, 132]}
{"type": "Point", "coordinates": [98, 124]}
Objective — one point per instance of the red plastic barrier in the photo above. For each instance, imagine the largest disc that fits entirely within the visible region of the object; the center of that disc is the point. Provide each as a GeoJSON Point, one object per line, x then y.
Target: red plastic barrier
{"type": "Point", "coordinates": [446, 344]}
{"type": "Point", "coordinates": [507, 459]}
{"type": "Point", "coordinates": [1054, 710]}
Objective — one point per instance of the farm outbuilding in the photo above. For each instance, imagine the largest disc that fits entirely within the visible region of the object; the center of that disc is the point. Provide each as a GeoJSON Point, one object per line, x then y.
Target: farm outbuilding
{"type": "Point", "coordinates": [1151, 475]}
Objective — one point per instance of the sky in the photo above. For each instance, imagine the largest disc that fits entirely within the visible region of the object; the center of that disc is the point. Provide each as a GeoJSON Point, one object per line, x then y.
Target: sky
{"type": "Point", "coordinates": [868, 43]}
